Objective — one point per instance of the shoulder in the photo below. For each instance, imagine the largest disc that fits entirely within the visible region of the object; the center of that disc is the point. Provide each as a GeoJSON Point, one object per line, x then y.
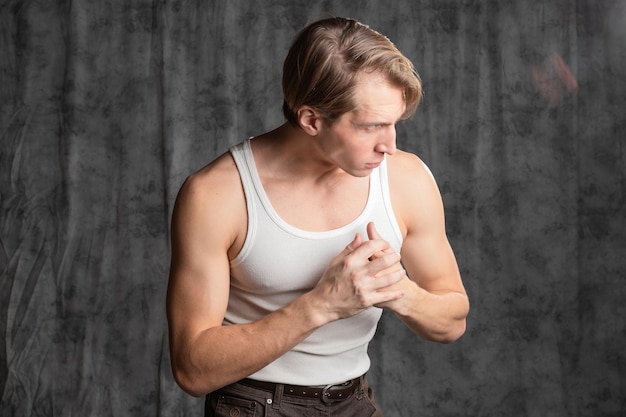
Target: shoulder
{"type": "Point", "coordinates": [414, 192]}
{"type": "Point", "coordinates": [407, 171]}
{"type": "Point", "coordinates": [216, 180]}
{"type": "Point", "coordinates": [405, 165]}
{"type": "Point", "coordinates": [211, 203]}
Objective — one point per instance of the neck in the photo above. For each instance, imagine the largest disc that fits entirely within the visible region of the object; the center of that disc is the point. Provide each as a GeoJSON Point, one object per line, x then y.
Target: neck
{"type": "Point", "coordinates": [288, 150]}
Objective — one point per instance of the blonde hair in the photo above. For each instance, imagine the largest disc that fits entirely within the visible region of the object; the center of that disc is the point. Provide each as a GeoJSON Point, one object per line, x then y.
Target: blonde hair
{"type": "Point", "coordinates": [323, 62]}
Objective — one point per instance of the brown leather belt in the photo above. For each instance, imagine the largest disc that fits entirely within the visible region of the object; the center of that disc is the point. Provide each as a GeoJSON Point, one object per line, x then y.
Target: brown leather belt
{"type": "Point", "coordinates": [327, 394]}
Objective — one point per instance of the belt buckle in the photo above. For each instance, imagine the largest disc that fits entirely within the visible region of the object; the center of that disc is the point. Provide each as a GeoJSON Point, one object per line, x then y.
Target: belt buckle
{"type": "Point", "coordinates": [326, 395]}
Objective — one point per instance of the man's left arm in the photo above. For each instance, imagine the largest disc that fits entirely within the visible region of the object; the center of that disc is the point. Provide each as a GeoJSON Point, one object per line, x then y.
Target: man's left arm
{"type": "Point", "coordinates": [435, 304]}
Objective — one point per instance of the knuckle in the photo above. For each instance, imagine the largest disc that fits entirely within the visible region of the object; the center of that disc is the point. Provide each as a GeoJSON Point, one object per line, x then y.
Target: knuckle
{"type": "Point", "coordinates": [364, 301]}
{"type": "Point", "coordinates": [362, 295]}
{"type": "Point", "coordinates": [354, 277]}
{"type": "Point", "coordinates": [348, 262]}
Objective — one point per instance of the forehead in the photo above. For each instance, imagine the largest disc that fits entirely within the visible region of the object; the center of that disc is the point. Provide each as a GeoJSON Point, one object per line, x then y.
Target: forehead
{"type": "Point", "coordinates": [375, 96]}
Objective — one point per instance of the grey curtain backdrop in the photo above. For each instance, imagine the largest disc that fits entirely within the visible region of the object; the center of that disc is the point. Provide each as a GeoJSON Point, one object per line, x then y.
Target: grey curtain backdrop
{"type": "Point", "coordinates": [106, 106]}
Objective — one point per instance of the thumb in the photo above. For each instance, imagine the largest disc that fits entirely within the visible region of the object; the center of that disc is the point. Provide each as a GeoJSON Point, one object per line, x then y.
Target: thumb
{"type": "Point", "coordinates": [372, 233]}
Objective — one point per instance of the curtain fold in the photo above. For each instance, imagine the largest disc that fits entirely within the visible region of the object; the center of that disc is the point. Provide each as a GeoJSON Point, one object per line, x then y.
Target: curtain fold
{"type": "Point", "coordinates": [105, 108]}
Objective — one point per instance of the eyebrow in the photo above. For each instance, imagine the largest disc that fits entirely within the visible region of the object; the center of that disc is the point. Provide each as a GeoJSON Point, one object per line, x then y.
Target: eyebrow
{"type": "Point", "coordinates": [379, 123]}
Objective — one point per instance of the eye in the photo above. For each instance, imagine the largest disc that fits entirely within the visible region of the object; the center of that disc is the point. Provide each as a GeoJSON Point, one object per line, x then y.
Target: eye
{"type": "Point", "coordinates": [372, 127]}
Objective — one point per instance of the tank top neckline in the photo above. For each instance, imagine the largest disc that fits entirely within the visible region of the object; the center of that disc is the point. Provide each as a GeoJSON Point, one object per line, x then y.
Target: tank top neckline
{"type": "Point", "coordinates": [359, 220]}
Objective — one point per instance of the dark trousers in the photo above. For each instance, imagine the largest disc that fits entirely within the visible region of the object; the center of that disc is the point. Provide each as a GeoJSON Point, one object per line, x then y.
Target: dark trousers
{"type": "Point", "coordinates": [237, 400]}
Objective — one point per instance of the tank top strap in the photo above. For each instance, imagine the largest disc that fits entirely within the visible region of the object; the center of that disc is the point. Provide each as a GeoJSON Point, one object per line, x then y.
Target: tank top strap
{"type": "Point", "coordinates": [242, 155]}
{"type": "Point", "coordinates": [383, 182]}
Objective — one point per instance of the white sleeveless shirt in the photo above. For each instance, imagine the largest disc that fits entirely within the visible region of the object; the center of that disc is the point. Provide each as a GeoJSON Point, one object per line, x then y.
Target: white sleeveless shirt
{"type": "Point", "coordinates": [279, 262]}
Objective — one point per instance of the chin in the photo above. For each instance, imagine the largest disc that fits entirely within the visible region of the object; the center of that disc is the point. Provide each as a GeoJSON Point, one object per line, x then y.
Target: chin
{"type": "Point", "coordinates": [360, 173]}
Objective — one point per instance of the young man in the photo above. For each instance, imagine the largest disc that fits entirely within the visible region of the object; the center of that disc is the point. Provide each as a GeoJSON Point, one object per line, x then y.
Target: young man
{"type": "Point", "coordinates": [286, 249]}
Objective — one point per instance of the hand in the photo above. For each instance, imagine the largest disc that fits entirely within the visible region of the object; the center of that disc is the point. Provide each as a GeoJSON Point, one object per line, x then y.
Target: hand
{"type": "Point", "coordinates": [372, 234]}
{"type": "Point", "coordinates": [361, 276]}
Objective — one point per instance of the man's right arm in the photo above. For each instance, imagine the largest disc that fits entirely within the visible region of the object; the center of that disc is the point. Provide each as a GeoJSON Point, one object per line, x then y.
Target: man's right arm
{"type": "Point", "coordinates": [206, 231]}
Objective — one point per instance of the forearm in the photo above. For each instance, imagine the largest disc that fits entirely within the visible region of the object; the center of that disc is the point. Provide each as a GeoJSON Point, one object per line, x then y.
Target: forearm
{"type": "Point", "coordinates": [207, 356]}
{"type": "Point", "coordinates": [437, 316]}
{"type": "Point", "coordinates": [222, 355]}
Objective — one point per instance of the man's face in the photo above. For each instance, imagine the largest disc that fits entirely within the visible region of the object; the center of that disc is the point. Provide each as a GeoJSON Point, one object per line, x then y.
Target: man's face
{"type": "Point", "coordinates": [358, 141]}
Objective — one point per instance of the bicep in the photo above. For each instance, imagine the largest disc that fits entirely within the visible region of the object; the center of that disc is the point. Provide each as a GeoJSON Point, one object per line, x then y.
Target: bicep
{"type": "Point", "coordinates": [426, 252]}
{"type": "Point", "coordinates": [430, 262]}
{"type": "Point", "coordinates": [197, 293]}
{"type": "Point", "coordinates": [199, 272]}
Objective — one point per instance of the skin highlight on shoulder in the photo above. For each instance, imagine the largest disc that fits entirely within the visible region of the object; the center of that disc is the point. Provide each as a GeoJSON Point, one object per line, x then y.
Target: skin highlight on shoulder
{"type": "Point", "coordinates": [217, 189]}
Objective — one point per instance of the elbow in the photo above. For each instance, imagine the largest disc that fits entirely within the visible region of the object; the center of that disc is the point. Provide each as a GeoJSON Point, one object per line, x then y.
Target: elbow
{"type": "Point", "coordinates": [192, 380]}
{"type": "Point", "coordinates": [453, 329]}
{"type": "Point", "coordinates": [188, 383]}
{"type": "Point", "coordinates": [457, 327]}
{"type": "Point", "coordinates": [454, 332]}
{"type": "Point", "coordinates": [444, 334]}
{"type": "Point", "coordinates": [186, 374]}
{"type": "Point", "coordinates": [196, 382]}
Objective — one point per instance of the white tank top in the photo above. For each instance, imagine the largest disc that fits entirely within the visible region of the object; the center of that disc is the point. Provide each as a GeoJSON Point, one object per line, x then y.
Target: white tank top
{"type": "Point", "coordinates": [279, 262]}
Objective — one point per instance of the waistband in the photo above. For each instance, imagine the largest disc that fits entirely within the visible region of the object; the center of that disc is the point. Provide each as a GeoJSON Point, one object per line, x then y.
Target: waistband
{"type": "Point", "coordinates": [327, 393]}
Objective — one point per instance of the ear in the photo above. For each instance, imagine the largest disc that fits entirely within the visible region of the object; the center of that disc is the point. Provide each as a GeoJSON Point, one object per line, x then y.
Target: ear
{"type": "Point", "coordinates": [309, 120]}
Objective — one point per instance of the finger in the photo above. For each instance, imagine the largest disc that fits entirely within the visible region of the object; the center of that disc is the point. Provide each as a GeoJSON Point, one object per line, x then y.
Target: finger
{"type": "Point", "coordinates": [390, 278]}
{"type": "Point", "coordinates": [356, 242]}
{"type": "Point", "coordinates": [386, 296]}
{"type": "Point", "coordinates": [384, 264]}
{"type": "Point", "coordinates": [387, 283]}
{"type": "Point", "coordinates": [367, 249]}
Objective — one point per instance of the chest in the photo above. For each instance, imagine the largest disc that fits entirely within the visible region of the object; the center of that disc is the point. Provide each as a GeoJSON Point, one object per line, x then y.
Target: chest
{"type": "Point", "coordinates": [318, 206]}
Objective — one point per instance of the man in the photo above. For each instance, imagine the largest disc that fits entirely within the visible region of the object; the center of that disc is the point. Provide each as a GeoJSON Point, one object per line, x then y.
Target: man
{"type": "Point", "coordinates": [286, 248]}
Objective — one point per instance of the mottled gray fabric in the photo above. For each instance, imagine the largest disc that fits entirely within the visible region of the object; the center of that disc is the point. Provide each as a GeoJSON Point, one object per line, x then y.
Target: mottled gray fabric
{"type": "Point", "coordinates": [107, 105]}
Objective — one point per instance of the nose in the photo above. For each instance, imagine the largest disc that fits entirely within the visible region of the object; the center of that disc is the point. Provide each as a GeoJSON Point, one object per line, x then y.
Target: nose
{"type": "Point", "coordinates": [387, 141]}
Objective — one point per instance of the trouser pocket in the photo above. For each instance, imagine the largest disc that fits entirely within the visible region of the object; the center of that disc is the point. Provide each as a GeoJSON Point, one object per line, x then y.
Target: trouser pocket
{"type": "Point", "coordinates": [223, 405]}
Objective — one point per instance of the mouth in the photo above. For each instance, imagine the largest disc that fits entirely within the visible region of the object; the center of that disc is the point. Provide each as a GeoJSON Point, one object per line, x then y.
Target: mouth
{"type": "Point", "coordinates": [372, 165]}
